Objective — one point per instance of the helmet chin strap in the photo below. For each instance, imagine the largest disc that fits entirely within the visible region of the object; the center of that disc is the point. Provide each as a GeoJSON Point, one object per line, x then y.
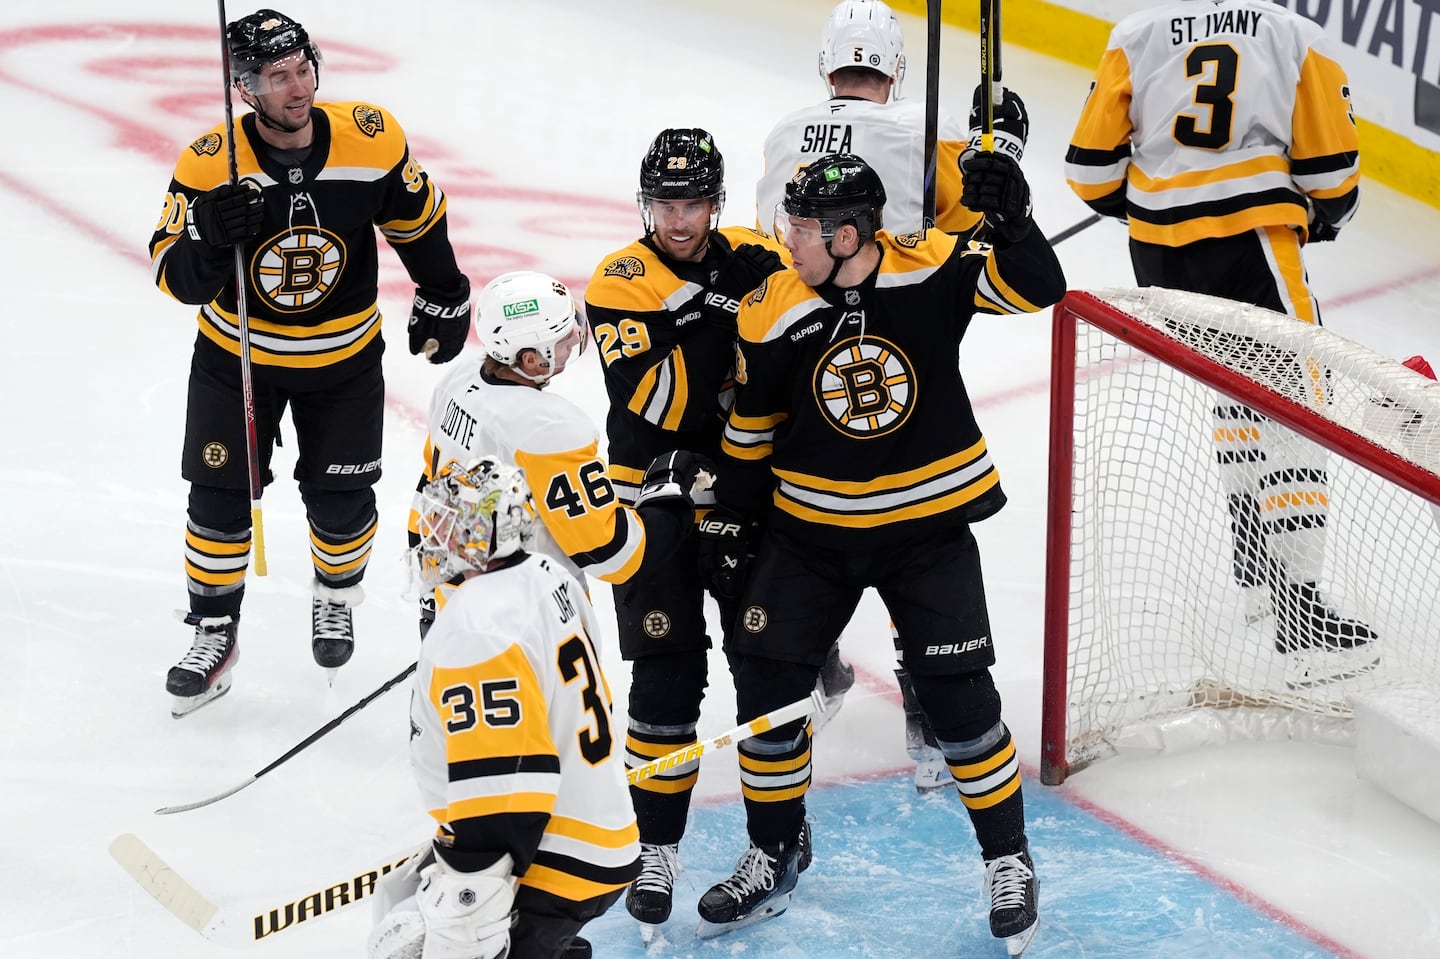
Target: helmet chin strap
{"type": "Point", "coordinates": [839, 260]}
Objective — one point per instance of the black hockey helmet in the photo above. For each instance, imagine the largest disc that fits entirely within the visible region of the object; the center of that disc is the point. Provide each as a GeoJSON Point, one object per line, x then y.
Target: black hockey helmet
{"type": "Point", "coordinates": [836, 189]}
{"type": "Point", "coordinates": [264, 37]}
{"type": "Point", "coordinates": [683, 164]}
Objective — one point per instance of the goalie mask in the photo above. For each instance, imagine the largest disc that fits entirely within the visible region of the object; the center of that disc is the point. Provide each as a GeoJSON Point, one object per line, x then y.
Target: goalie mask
{"type": "Point", "coordinates": [863, 33]}
{"type": "Point", "coordinates": [470, 517]}
{"type": "Point", "coordinates": [525, 310]}
{"type": "Point", "coordinates": [262, 38]}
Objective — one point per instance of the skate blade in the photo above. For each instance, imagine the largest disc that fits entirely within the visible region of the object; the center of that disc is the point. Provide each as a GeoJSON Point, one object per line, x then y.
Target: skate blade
{"type": "Point", "coordinates": [932, 775]}
{"type": "Point", "coordinates": [1309, 670]}
{"type": "Point", "coordinates": [647, 932]}
{"type": "Point", "coordinates": [330, 673]}
{"type": "Point", "coordinates": [182, 706]}
{"type": "Point", "coordinates": [1017, 944]}
{"type": "Point", "coordinates": [775, 907]}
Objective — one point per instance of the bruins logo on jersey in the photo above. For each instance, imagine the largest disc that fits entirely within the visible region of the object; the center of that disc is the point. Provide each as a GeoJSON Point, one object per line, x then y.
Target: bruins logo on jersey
{"type": "Point", "coordinates": [865, 387]}
{"type": "Point", "coordinates": [208, 145]}
{"type": "Point", "coordinates": [626, 267]}
{"type": "Point", "coordinates": [758, 294]}
{"type": "Point", "coordinates": [299, 268]}
{"type": "Point", "coordinates": [369, 119]}
{"type": "Point", "coordinates": [910, 240]}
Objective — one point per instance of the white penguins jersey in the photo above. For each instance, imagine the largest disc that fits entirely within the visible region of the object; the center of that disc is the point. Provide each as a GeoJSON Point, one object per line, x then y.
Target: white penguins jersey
{"type": "Point", "coordinates": [1211, 118]}
{"type": "Point", "coordinates": [583, 523]}
{"type": "Point", "coordinates": [888, 136]}
{"type": "Point", "coordinates": [511, 728]}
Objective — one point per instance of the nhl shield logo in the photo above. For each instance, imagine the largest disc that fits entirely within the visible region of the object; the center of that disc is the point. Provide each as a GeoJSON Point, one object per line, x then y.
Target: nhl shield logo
{"type": "Point", "coordinates": [208, 145]}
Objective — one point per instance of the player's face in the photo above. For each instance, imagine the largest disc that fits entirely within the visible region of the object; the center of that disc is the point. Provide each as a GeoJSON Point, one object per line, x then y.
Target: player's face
{"type": "Point", "coordinates": [574, 343]}
{"type": "Point", "coordinates": [804, 239]}
{"type": "Point", "coordinates": [284, 90]}
{"type": "Point", "coordinates": [682, 227]}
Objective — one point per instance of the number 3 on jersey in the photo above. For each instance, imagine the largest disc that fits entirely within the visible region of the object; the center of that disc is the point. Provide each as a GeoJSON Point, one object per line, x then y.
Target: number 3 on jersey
{"type": "Point", "coordinates": [592, 491]}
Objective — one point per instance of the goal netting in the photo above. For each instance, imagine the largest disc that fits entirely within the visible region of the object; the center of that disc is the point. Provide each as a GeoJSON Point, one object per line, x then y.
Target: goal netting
{"type": "Point", "coordinates": [1239, 502]}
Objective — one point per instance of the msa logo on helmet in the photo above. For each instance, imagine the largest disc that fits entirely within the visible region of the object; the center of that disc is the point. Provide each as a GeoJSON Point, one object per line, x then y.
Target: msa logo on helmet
{"type": "Point", "coordinates": [522, 308]}
{"type": "Point", "coordinates": [865, 387]}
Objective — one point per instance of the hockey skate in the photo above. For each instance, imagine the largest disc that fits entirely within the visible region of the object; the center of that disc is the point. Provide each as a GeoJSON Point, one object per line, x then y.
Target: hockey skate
{"type": "Point", "coordinates": [836, 678]}
{"type": "Point", "coordinates": [332, 627]}
{"type": "Point", "coordinates": [1320, 645]}
{"type": "Point", "coordinates": [931, 772]}
{"type": "Point", "coordinates": [203, 674]}
{"type": "Point", "coordinates": [1013, 893]}
{"type": "Point", "coordinates": [651, 895]}
{"type": "Point", "coordinates": [761, 889]}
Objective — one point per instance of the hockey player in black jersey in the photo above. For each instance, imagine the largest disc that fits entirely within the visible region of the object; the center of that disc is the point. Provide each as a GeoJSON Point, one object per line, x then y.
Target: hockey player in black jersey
{"type": "Point", "coordinates": [662, 312]}
{"type": "Point", "coordinates": [315, 181]}
{"type": "Point", "coordinates": [853, 442]}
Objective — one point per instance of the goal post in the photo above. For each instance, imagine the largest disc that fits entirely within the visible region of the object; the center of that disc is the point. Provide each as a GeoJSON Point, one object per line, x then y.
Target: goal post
{"type": "Point", "coordinates": [1160, 630]}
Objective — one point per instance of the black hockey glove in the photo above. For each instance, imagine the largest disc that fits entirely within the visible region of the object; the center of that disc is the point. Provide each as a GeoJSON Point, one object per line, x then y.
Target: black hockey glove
{"type": "Point", "coordinates": [727, 544]}
{"type": "Point", "coordinates": [746, 267]}
{"type": "Point", "coordinates": [995, 186]}
{"type": "Point", "coordinates": [227, 215]}
{"type": "Point", "coordinates": [1011, 125]}
{"type": "Point", "coordinates": [675, 476]}
{"type": "Point", "coordinates": [439, 322]}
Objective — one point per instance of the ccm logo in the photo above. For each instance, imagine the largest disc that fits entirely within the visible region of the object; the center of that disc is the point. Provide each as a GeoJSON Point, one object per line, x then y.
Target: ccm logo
{"type": "Point", "coordinates": [955, 649]}
{"type": "Point", "coordinates": [724, 302]}
{"type": "Point", "coordinates": [718, 527]}
{"type": "Point", "coordinates": [346, 469]}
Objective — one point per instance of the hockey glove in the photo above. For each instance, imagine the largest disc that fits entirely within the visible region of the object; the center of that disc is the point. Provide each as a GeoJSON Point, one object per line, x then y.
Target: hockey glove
{"type": "Point", "coordinates": [1320, 230]}
{"type": "Point", "coordinates": [1011, 126]}
{"type": "Point", "coordinates": [995, 186]}
{"type": "Point", "coordinates": [675, 477]}
{"type": "Point", "coordinates": [439, 322]}
{"type": "Point", "coordinates": [467, 914]}
{"type": "Point", "coordinates": [227, 215]}
{"type": "Point", "coordinates": [745, 269]}
{"type": "Point", "coordinates": [727, 544]}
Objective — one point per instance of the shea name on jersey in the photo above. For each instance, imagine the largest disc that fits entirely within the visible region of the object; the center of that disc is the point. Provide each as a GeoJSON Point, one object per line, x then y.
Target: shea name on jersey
{"type": "Point", "coordinates": [825, 138]}
{"type": "Point", "coordinates": [1183, 29]}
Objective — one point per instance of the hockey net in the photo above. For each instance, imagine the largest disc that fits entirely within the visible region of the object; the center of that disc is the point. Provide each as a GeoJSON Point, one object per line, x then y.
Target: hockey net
{"type": "Point", "coordinates": [1151, 641]}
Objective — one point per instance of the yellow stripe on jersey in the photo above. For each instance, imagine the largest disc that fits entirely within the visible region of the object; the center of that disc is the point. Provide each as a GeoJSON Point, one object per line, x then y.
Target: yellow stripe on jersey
{"type": "Point", "coordinates": [750, 437]}
{"type": "Point", "coordinates": [493, 709]}
{"type": "Point", "coordinates": [1104, 127]}
{"type": "Point", "coordinates": [293, 347]}
{"type": "Point", "coordinates": [935, 488]}
{"type": "Point", "coordinates": [581, 510]}
{"type": "Point", "coordinates": [565, 885]}
{"type": "Point", "coordinates": [1325, 143]}
{"type": "Point", "coordinates": [994, 295]}
{"type": "Point", "coordinates": [950, 215]}
{"type": "Point", "coordinates": [663, 393]}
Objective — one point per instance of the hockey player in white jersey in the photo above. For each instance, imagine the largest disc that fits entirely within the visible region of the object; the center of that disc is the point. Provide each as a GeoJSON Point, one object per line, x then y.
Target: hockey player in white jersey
{"type": "Point", "coordinates": [530, 330]}
{"type": "Point", "coordinates": [862, 63]}
{"type": "Point", "coordinates": [511, 740]}
{"type": "Point", "coordinates": [1222, 133]}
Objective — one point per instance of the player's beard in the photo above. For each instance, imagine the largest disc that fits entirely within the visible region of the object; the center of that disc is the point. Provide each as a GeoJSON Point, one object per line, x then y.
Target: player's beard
{"type": "Point", "coordinates": [280, 122]}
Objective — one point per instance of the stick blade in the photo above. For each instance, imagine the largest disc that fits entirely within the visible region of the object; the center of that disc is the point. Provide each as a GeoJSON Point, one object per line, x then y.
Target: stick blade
{"type": "Point", "coordinates": [165, 885]}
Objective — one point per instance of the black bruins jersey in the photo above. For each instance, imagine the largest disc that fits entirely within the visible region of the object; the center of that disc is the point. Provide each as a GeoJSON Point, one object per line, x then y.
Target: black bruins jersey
{"type": "Point", "coordinates": [850, 415]}
{"type": "Point", "coordinates": [667, 370]}
{"type": "Point", "coordinates": [313, 269]}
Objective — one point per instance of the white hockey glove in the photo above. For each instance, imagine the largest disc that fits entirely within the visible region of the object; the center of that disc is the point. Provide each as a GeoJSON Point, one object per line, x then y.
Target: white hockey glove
{"type": "Point", "coordinates": [467, 914]}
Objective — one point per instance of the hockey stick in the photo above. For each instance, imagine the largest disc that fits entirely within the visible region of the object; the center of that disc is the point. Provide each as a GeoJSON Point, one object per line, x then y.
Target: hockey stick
{"type": "Point", "coordinates": [242, 312]}
{"type": "Point", "coordinates": [989, 72]}
{"type": "Point", "coordinates": [814, 704]}
{"type": "Point", "coordinates": [932, 110]}
{"type": "Point", "coordinates": [1073, 229]}
{"type": "Point", "coordinates": [252, 921]}
{"type": "Point", "coordinates": [384, 688]}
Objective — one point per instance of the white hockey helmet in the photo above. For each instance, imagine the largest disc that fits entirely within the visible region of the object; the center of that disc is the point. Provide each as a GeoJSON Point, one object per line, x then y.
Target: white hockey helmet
{"type": "Point", "coordinates": [470, 516]}
{"type": "Point", "coordinates": [863, 33]}
{"type": "Point", "coordinates": [525, 310]}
